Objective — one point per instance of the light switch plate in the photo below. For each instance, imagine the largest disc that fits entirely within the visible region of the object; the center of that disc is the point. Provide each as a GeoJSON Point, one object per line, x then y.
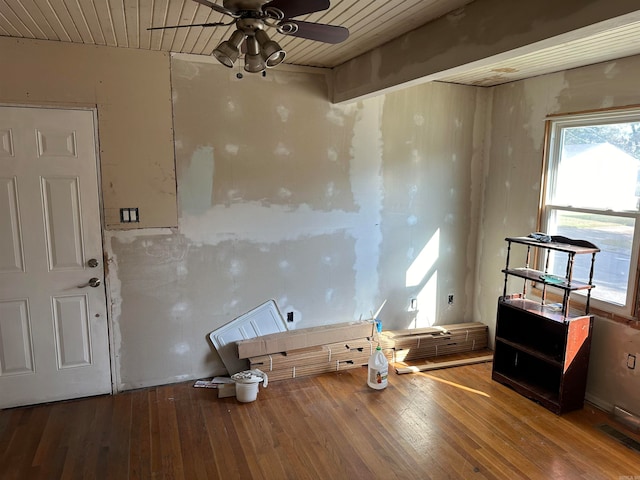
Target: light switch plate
{"type": "Point", "coordinates": [129, 215]}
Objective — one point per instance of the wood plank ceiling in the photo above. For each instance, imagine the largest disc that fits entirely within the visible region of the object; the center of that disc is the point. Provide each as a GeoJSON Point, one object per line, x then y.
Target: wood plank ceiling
{"type": "Point", "coordinates": [124, 23]}
{"type": "Point", "coordinates": [611, 44]}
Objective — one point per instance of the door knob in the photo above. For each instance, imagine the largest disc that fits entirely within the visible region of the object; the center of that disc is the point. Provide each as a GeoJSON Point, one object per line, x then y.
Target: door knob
{"type": "Point", "coordinates": [92, 263]}
{"type": "Point", "coordinates": [93, 282]}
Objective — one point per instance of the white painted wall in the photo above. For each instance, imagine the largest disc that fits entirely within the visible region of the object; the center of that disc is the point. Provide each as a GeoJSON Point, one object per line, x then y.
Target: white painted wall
{"type": "Point", "coordinates": [283, 195]}
{"type": "Point", "coordinates": [324, 208]}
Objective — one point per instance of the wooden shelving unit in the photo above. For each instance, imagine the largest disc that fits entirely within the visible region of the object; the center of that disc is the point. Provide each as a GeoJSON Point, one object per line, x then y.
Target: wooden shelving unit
{"type": "Point", "coordinates": [541, 351]}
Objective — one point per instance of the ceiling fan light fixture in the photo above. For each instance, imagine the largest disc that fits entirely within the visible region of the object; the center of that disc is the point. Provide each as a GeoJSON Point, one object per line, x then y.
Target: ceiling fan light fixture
{"type": "Point", "coordinates": [253, 62]}
{"type": "Point", "coordinates": [251, 17]}
{"type": "Point", "coordinates": [272, 53]}
{"type": "Point", "coordinates": [228, 51]}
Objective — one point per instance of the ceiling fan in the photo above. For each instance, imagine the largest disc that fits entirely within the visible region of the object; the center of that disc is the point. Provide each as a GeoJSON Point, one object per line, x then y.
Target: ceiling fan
{"type": "Point", "coordinates": [251, 17]}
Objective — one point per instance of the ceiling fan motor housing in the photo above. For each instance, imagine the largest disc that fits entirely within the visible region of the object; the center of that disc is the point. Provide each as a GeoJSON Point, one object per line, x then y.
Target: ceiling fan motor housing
{"type": "Point", "coordinates": [250, 25]}
{"type": "Point", "coordinates": [240, 5]}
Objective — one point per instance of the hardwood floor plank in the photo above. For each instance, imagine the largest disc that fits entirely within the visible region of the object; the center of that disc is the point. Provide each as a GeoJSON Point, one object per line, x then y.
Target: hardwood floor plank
{"type": "Point", "coordinates": [194, 442]}
{"type": "Point", "coordinates": [155, 456]}
{"type": "Point", "coordinates": [453, 423]}
{"type": "Point", "coordinates": [140, 444]}
{"type": "Point", "coordinates": [20, 440]}
{"type": "Point", "coordinates": [96, 431]}
{"type": "Point", "coordinates": [83, 415]}
{"type": "Point", "coordinates": [172, 465]}
{"type": "Point", "coordinates": [53, 447]}
{"type": "Point", "coordinates": [119, 438]}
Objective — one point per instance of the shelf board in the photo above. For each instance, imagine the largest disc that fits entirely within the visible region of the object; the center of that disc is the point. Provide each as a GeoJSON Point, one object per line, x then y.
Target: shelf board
{"type": "Point", "coordinates": [538, 276]}
{"type": "Point", "coordinates": [531, 306]}
{"type": "Point", "coordinates": [579, 247]}
{"type": "Point", "coordinates": [548, 398]}
{"type": "Point", "coordinates": [550, 359]}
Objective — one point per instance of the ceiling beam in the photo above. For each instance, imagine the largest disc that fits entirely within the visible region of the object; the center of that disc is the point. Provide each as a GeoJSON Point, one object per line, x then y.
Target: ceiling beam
{"type": "Point", "coordinates": [483, 32]}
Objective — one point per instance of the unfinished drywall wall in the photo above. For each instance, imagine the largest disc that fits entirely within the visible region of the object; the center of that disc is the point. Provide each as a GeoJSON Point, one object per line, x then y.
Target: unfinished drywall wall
{"type": "Point", "coordinates": [477, 34]}
{"type": "Point", "coordinates": [326, 209]}
{"type": "Point", "coordinates": [513, 167]}
{"type": "Point", "coordinates": [132, 93]}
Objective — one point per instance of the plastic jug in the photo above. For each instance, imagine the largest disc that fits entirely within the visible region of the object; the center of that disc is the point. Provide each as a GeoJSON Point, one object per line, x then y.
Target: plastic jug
{"type": "Point", "coordinates": [378, 370]}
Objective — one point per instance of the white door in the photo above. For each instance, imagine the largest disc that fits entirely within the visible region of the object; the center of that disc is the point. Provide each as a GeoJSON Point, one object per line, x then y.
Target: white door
{"type": "Point", "coordinates": [53, 323]}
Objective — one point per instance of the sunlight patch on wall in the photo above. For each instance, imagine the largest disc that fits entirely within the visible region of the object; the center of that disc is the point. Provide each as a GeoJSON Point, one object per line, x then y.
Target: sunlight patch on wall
{"type": "Point", "coordinates": [424, 262]}
{"type": "Point", "coordinates": [427, 303]}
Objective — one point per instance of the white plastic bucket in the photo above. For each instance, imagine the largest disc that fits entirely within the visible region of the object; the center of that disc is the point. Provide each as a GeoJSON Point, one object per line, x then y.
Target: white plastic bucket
{"type": "Point", "coordinates": [247, 384]}
{"type": "Point", "coordinates": [246, 392]}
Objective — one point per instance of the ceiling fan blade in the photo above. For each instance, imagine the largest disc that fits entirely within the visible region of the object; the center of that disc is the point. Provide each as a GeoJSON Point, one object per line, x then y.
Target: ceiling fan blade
{"type": "Point", "coordinates": [217, 24]}
{"type": "Point", "coordinates": [295, 8]}
{"type": "Point", "coordinates": [319, 32]}
{"type": "Point", "coordinates": [217, 8]}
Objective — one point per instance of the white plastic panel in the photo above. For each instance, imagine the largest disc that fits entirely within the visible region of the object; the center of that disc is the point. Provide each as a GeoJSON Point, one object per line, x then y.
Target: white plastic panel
{"type": "Point", "coordinates": [56, 144]}
{"type": "Point", "coordinates": [11, 248]}
{"type": "Point", "coordinates": [61, 200]}
{"type": "Point", "coordinates": [73, 336]}
{"type": "Point", "coordinates": [6, 143]}
{"type": "Point", "coordinates": [262, 320]}
{"type": "Point", "coordinates": [16, 351]}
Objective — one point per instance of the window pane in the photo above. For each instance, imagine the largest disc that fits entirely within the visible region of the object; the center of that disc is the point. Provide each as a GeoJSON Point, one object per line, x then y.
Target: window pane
{"type": "Point", "coordinates": [598, 167]}
{"type": "Point", "coordinates": [613, 235]}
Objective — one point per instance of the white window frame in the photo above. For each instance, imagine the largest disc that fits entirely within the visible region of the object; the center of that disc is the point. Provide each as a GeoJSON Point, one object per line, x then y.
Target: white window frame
{"type": "Point", "coordinates": [555, 125]}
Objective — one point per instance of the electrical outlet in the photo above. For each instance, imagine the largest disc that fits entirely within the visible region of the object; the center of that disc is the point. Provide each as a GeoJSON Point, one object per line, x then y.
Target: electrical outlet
{"type": "Point", "coordinates": [450, 299]}
{"type": "Point", "coordinates": [631, 361]}
{"type": "Point", "coordinates": [289, 317]}
{"type": "Point", "coordinates": [413, 304]}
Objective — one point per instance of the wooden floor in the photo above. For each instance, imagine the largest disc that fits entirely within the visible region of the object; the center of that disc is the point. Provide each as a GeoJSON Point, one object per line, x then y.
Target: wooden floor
{"type": "Point", "coordinates": [453, 423]}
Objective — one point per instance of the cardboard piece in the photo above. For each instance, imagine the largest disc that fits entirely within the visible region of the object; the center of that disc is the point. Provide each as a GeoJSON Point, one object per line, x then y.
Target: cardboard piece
{"type": "Point", "coordinates": [303, 338]}
{"type": "Point", "coordinates": [404, 345]}
{"type": "Point", "coordinates": [315, 360]}
{"type": "Point", "coordinates": [227, 390]}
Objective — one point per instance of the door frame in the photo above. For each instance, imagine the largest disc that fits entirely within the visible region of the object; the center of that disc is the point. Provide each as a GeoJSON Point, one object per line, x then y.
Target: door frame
{"type": "Point", "coordinates": [93, 108]}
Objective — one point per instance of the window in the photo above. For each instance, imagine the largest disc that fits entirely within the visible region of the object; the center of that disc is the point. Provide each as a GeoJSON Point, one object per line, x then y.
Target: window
{"type": "Point", "coordinates": [592, 192]}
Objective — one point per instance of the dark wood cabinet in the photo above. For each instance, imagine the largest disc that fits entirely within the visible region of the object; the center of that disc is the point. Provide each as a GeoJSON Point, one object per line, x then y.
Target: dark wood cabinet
{"type": "Point", "coordinates": [542, 351]}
